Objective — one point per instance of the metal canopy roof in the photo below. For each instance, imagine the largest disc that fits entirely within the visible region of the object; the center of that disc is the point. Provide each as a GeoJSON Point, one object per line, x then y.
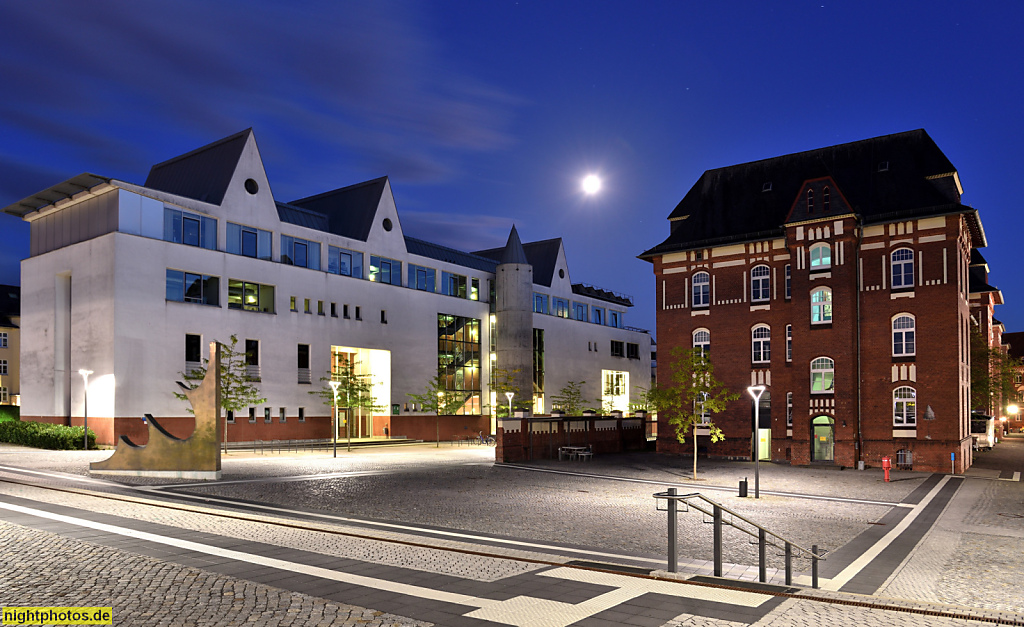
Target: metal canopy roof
{"type": "Point", "coordinates": [60, 191]}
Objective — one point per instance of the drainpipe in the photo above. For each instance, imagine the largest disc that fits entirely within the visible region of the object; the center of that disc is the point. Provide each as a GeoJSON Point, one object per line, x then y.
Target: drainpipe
{"type": "Point", "coordinates": [860, 438]}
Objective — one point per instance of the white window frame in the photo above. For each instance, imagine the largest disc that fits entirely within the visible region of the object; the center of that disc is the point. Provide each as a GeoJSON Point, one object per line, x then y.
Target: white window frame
{"type": "Point", "coordinates": [900, 268]}
{"type": "Point", "coordinates": [789, 342]}
{"type": "Point", "coordinates": [701, 289]}
{"type": "Point", "coordinates": [900, 333]}
{"type": "Point", "coordinates": [3, 367]}
{"type": "Point", "coordinates": [789, 410]}
{"type": "Point", "coordinates": [820, 256]}
{"type": "Point", "coordinates": [761, 344]}
{"type": "Point", "coordinates": [823, 367]}
{"type": "Point", "coordinates": [3, 339]}
{"type": "Point", "coordinates": [819, 308]}
{"type": "Point", "coordinates": [702, 340]}
{"type": "Point", "coordinates": [789, 281]}
{"type": "Point", "coordinates": [760, 284]}
{"type": "Point", "coordinates": [904, 414]}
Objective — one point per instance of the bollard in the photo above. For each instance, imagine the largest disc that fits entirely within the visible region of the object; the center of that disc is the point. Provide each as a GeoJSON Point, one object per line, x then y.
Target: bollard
{"type": "Point", "coordinates": [789, 564]}
{"type": "Point", "coordinates": [761, 559]}
{"type": "Point", "coordinates": [743, 488]}
{"type": "Point", "coordinates": [886, 465]}
{"type": "Point", "coordinates": [718, 541]}
{"type": "Point", "coordinates": [814, 566]}
{"type": "Point", "coordinates": [673, 565]}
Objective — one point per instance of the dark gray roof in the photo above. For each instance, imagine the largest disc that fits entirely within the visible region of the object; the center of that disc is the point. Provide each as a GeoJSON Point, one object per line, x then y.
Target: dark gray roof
{"type": "Point", "coordinates": [52, 194]}
{"type": "Point", "coordinates": [542, 255]}
{"type": "Point", "coordinates": [1016, 343]}
{"type": "Point", "coordinates": [978, 283]}
{"type": "Point", "coordinates": [204, 173]}
{"type": "Point", "coordinates": [599, 293]}
{"type": "Point", "coordinates": [977, 259]}
{"type": "Point", "coordinates": [10, 305]}
{"type": "Point", "coordinates": [513, 252]}
{"type": "Point", "coordinates": [349, 210]}
{"type": "Point", "coordinates": [880, 179]}
{"type": "Point", "coordinates": [450, 255]}
{"type": "Point", "coordinates": [302, 217]}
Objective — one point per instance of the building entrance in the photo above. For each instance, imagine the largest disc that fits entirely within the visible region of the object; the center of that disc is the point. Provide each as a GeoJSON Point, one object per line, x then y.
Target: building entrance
{"type": "Point", "coordinates": [822, 439]}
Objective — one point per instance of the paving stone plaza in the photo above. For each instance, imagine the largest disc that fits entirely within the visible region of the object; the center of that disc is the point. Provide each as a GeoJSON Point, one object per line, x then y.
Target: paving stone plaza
{"type": "Point", "coordinates": [418, 535]}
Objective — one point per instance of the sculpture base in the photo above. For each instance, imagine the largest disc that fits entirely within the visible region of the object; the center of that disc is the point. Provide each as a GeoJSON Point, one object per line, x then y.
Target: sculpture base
{"type": "Point", "coordinates": [201, 475]}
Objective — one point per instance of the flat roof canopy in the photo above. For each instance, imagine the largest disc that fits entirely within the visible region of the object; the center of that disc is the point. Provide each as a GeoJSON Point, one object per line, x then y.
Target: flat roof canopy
{"type": "Point", "coordinates": [67, 189]}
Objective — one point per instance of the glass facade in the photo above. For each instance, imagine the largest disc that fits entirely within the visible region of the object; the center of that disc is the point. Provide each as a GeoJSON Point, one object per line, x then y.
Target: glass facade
{"type": "Point", "coordinates": [186, 287]}
{"type": "Point", "coordinates": [345, 262]}
{"type": "Point", "coordinates": [453, 284]}
{"type": "Point", "coordinates": [182, 227]}
{"type": "Point", "coordinates": [300, 252]}
{"type": "Point", "coordinates": [458, 359]}
{"type": "Point", "coordinates": [250, 296]}
{"type": "Point", "coordinates": [421, 278]}
{"type": "Point", "coordinates": [249, 241]}
{"type": "Point", "coordinates": [538, 362]}
{"type": "Point", "coordinates": [384, 270]}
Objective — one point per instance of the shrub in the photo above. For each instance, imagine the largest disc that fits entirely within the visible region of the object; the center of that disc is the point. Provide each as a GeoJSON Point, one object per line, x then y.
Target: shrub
{"type": "Point", "coordinates": [44, 435]}
{"type": "Point", "coordinates": [10, 412]}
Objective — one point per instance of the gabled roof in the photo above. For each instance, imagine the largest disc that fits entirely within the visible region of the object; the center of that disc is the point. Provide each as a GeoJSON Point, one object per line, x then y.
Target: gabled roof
{"type": "Point", "coordinates": [542, 255]}
{"type": "Point", "coordinates": [204, 173]}
{"type": "Point", "coordinates": [349, 210]}
{"type": "Point", "coordinates": [977, 282]}
{"type": "Point", "coordinates": [450, 255]}
{"type": "Point", "coordinates": [977, 259]}
{"type": "Point", "coordinates": [883, 179]}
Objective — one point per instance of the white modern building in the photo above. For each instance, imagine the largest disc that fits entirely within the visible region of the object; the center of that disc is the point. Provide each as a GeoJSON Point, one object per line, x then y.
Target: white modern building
{"type": "Point", "coordinates": [132, 282]}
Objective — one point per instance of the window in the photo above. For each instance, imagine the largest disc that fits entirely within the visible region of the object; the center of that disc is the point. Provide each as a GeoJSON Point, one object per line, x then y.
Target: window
{"type": "Point", "coordinates": [266, 415]}
{"type": "Point", "coordinates": [617, 349]}
{"type": "Point", "coordinates": [789, 342]}
{"type": "Point", "coordinates": [904, 406]}
{"type": "Point", "coordinates": [579, 311]}
{"type": "Point", "coordinates": [540, 303]}
{"type": "Point", "coordinates": [903, 344]}
{"type": "Point", "coordinates": [597, 315]}
{"type": "Point", "coordinates": [760, 282]}
{"type": "Point", "coordinates": [810, 201]}
{"type": "Point", "coordinates": [231, 417]}
{"type": "Point", "coordinates": [359, 315]}
{"type": "Point", "coordinates": [789, 282]}
{"type": "Point", "coordinates": [789, 410]}
{"type": "Point", "coordinates": [615, 319]}
{"type": "Point", "coordinates": [302, 414]}
{"type": "Point", "coordinates": [250, 296]}
{"type": "Point", "coordinates": [249, 241]}
{"type": "Point", "coordinates": [822, 376]}
{"type": "Point", "coordinates": [252, 360]}
{"type": "Point", "coordinates": [453, 284]}
{"type": "Point", "coordinates": [702, 340]}
{"type": "Point", "coordinates": [821, 257]}
{"type": "Point", "coordinates": [292, 304]}
{"type": "Point", "coordinates": [3, 366]}
{"type": "Point", "coordinates": [559, 307]}
{"type": "Point", "coordinates": [1018, 378]}
{"type": "Point", "coordinates": [826, 199]}
{"type": "Point", "coordinates": [3, 339]}
{"type": "Point", "coordinates": [538, 363]}
{"type": "Point", "coordinates": [632, 351]}
{"type": "Point", "coordinates": [300, 252]}
{"type": "Point", "coordinates": [306, 306]}
{"type": "Point", "coordinates": [320, 307]}
{"type": "Point", "coordinates": [344, 262]}
{"type": "Point", "coordinates": [701, 289]}
{"type": "Point", "coordinates": [902, 268]}
{"type": "Point", "coordinates": [182, 227]}
{"type": "Point", "coordinates": [761, 337]}
{"type": "Point", "coordinates": [305, 375]}
{"type": "Point", "coordinates": [614, 383]}
{"type": "Point", "coordinates": [383, 316]}
{"type": "Point", "coordinates": [252, 414]}
{"type": "Point", "coordinates": [186, 287]}
{"type": "Point", "coordinates": [334, 310]}
{"type": "Point", "coordinates": [384, 270]}
{"type": "Point", "coordinates": [193, 352]}
{"type": "Point", "coordinates": [283, 417]}
{"type": "Point", "coordinates": [421, 278]}
{"type": "Point", "coordinates": [474, 289]}
{"type": "Point", "coordinates": [344, 311]}
{"type": "Point", "coordinates": [821, 306]}
{"type": "Point", "coordinates": [458, 359]}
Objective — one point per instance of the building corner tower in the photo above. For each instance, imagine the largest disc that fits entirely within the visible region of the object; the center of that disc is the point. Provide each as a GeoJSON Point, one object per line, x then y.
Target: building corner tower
{"type": "Point", "coordinates": [514, 320]}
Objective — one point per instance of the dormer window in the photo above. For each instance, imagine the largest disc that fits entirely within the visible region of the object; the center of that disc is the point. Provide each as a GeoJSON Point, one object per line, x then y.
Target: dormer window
{"type": "Point", "coordinates": [825, 198]}
{"type": "Point", "coordinates": [883, 166]}
{"type": "Point", "coordinates": [767, 187]}
{"type": "Point", "coordinates": [810, 201]}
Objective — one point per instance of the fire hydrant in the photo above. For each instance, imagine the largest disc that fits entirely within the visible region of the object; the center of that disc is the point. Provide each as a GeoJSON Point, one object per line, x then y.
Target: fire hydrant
{"type": "Point", "coordinates": [886, 465]}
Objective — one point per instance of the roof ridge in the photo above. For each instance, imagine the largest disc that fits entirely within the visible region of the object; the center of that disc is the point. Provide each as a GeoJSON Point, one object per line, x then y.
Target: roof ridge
{"type": "Point", "coordinates": [340, 189]}
{"type": "Point", "coordinates": [192, 153]}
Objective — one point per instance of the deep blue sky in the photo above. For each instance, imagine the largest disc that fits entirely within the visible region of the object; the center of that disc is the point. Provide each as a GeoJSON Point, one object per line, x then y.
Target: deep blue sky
{"type": "Point", "coordinates": [489, 113]}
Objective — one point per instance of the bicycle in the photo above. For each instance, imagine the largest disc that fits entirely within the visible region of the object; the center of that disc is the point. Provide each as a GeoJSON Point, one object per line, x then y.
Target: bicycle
{"type": "Point", "coordinates": [485, 441]}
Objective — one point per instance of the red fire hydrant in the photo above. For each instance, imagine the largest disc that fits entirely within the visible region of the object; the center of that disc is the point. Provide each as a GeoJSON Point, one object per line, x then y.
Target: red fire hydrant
{"type": "Point", "coordinates": [886, 465]}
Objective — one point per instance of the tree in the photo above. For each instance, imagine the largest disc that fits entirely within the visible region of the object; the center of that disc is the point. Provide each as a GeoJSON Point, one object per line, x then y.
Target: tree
{"type": "Point", "coordinates": [992, 375]}
{"type": "Point", "coordinates": [642, 400]}
{"type": "Point", "coordinates": [355, 391]}
{"type": "Point", "coordinates": [437, 398]}
{"type": "Point", "coordinates": [570, 398]}
{"type": "Point", "coordinates": [692, 396]}
{"type": "Point", "coordinates": [502, 381]}
{"type": "Point", "coordinates": [237, 390]}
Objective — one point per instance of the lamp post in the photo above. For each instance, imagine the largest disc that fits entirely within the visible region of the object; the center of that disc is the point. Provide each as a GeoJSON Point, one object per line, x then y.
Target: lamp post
{"type": "Point", "coordinates": [756, 391]}
{"type": "Point", "coordinates": [334, 415]}
{"type": "Point", "coordinates": [509, 396]}
{"type": "Point", "coordinates": [85, 405]}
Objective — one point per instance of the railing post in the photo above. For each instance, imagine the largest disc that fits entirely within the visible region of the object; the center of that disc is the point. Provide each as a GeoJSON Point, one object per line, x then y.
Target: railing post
{"type": "Point", "coordinates": [789, 564]}
{"type": "Point", "coordinates": [673, 565]}
{"type": "Point", "coordinates": [814, 566]}
{"type": "Point", "coordinates": [761, 570]}
{"type": "Point", "coordinates": [718, 541]}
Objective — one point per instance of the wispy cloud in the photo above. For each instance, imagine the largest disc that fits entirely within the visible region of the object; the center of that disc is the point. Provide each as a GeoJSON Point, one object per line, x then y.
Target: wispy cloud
{"type": "Point", "coordinates": [456, 231]}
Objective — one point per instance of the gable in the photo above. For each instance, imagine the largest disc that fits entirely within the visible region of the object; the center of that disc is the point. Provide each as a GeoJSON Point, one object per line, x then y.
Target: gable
{"type": "Point", "coordinates": [203, 174]}
{"type": "Point", "coordinates": [818, 199]}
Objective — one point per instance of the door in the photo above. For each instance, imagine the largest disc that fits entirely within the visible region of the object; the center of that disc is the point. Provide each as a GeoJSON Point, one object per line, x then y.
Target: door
{"type": "Point", "coordinates": [823, 439]}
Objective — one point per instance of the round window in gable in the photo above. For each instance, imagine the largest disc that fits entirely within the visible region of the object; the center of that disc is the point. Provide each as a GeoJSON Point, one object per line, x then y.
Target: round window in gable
{"type": "Point", "coordinates": [251, 186]}
{"type": "Point", "coordinates": [561, 273]}
{"type": "Point", "coordinates": [387, 224]}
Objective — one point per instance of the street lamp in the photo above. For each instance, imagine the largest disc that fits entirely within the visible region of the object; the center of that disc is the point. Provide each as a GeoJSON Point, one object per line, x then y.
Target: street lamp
{"type": "Point", "coordinates": [509, 396]}
{"type": "Point", "coordinates": [756, 391]}
{"type": "Point", "coordinates": [334, 416]}
{"type": "Point", "coordinates": [85, 407]}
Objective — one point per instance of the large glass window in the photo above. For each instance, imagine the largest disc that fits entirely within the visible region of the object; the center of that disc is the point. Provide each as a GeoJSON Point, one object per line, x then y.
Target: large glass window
{"type": "Point", "coordinates": [182, 227]}
{"type": "Point", "coordinates": [453, 284]}
{"type": "Point", "coordinates": [458, 359]}
{"type": "Point", "coordinates": [384, 270]}
{"type": "Point", "coordinates": [597, 315]}
{"type": "Point", "coordinates": [579, 311]}
{"type": "Point", "coordinates": [702, 340]}
{"type": "Point", "coordinates": [300, 252]}
{"type": "Point", "coordinates": [249, 241]}
{"type": "Point", "coordinates": [187, 287]}
{"type": "Point", "coordinates": [823, 376]}
{"type": "Point", "coordinates": [903, 344]}
{"type": "Point", "coordinates": [540, 303]}
{"type": "Point", "coordinates": [760, 282]}
{"type": "Point", "coordinates": [474, 289]}
{"type": "Point", "coordinates": [538, 362]}
{"type": "Point", "coordinates": [421, 278]}
{"type": "Point", "coordinates": [559, 307]}
{"type": "Point", "coordinates": [615, 319]}
{"type": "Point", "coordinates": [821, 306]}
{"type": "Point", "coordinates": [701, 289]}
{"type": "Point", "coordinates": [345, 262]}
{"type": "Point", "coordinates": [761, 338]}
{"type": "Point", "coordinates": [250, 296]}
{"type": "Point", "coordinates": [902, 268]}
{"type": "Point", "coordinates": [821, 256]}
{"type": "Point", "coordinates": [904, 406]}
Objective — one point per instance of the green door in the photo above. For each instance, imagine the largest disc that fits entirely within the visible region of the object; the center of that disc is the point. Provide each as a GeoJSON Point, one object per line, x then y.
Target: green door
{"type": "Point", "coordinates": [823, 439]}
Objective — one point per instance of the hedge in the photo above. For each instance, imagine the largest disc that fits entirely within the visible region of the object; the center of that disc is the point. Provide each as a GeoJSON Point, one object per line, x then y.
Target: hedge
{"type": "Point", "coordinates": [10, 412]}
{"type": "Point", "coordinates": [44, 435]}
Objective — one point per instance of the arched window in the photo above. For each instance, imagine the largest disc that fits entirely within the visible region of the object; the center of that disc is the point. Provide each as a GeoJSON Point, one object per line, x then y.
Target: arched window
{"type": "Point", "coordinates": [821, 306]}
{"type": "Point", "coordinates": [823, 372]}
{"type": "Point", "coordinates": [760, 282]}
{"type": "Point", "coordinates": [904, 406]}
{"type": "Point", "coordinates": [810, 201]}
{"type": "Point", "coordinates": [761, 339]}
{"type": "Point", "coordinates": [702, 340]}
{"type": "Point", "coordinates": [903, 340]}
{"type": "Point", "coordinates": [821, 256]}
{"type": "Point", "coordinates": [902, 268]}
{"type": "Point", "coordinates": [701, 289]}
{"type": "Point", "coordinates": [825, 198]}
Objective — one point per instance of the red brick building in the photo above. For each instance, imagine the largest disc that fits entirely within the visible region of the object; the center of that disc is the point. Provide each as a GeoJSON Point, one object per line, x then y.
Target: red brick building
{"type": "Point", "coordinates": [838, 278]}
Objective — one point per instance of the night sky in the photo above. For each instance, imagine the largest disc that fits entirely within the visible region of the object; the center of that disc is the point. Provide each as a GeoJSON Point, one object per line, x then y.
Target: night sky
{"type": "Point", "coordinates": [485, 113]}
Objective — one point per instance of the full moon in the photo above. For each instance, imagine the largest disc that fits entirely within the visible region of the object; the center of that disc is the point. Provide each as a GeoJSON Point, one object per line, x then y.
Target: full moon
{"type": "Point", "coordinates": [591, 184]}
